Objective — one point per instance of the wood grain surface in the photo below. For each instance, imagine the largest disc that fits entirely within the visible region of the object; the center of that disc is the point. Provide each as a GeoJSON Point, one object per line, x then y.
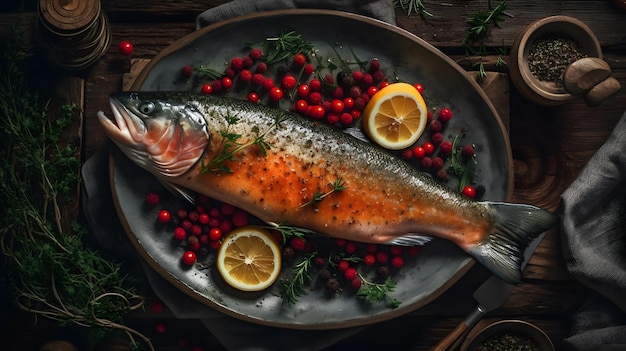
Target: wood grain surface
{"type": "Point", "coordinates": [550, 146]}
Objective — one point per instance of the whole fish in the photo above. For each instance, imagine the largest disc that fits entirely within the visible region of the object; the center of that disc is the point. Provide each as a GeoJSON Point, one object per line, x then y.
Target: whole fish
{"type": "Point", "coordinates": [284, 168]}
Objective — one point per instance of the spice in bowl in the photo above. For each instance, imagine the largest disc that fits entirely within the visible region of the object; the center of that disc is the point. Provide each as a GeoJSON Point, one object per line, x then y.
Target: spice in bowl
{"type": "Point", "coordinates": [508, 341]}
{"type": "Point", "coordinates": [551, 54]}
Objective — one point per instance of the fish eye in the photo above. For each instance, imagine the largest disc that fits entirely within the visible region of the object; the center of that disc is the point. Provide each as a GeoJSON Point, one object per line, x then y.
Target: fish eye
{"type": "Point", "coordinates": [146, 108]}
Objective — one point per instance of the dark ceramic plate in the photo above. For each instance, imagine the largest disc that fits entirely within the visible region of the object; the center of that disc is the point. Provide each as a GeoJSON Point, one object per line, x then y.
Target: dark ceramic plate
{"type": "Point", "coordinates": [404, 56]}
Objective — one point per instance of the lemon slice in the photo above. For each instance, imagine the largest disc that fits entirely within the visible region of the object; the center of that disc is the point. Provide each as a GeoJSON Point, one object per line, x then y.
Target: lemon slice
{"type": "Point", "coordinates": [395, 117]}
{"type": "Point", "coordinates": [249, 259]}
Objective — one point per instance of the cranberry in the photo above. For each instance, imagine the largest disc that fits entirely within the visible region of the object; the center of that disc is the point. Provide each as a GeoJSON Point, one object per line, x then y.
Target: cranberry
{"type": "Point", "coordinates": [187, 70]}
{"type": "Point", "coordinates": [445, 148]}
{"type": "Point", "coordinates": [152, 199]}
{"type": "Point", "coordinates": [255, 54]}
{"type": "Point", "coordinates": [445, 115]}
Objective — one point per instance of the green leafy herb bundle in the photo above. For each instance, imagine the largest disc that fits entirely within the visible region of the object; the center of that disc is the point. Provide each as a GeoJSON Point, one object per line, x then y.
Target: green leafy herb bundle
{"type": "Point", "coordinates": [50, 272]}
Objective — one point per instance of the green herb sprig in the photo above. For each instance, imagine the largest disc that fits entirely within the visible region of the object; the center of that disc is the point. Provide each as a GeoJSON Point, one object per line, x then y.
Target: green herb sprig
{"type": "Point", "coordinates": [296, 286]}
{"type": "Point", "coordinates": [48, 269]}
{"type": "Point", "coordinates": [231, 146]}
{"type": "Point", "coordinates": [412, 6]}
{"type": "Point", "coordinates": [337, 185]}
{"type": "Point", "coordinates": [477, 30]}
{"type": "Point", "coordinates": [461, 166]}
{"type": "Point", "coordinates": [378, 292]}
{"type": "Point", "coordinates": [285, 46]}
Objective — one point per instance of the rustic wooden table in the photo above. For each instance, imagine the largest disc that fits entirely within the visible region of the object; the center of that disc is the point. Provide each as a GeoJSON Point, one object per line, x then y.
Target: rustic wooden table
{"type": "Point", "coordinates": [550, 146]}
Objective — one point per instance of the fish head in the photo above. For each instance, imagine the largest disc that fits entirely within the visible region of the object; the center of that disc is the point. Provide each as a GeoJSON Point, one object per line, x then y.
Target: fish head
{"type": "Point", "coordinates": [164, 133]}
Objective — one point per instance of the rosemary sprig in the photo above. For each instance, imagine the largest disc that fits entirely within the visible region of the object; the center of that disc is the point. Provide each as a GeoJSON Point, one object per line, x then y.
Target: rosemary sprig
{"type": "Point", "coordinates": [461, 166]}
{"type": "Point", "coordinates": [230, 145]}
{"type": "Point", "coordinates": [377, 292]}
{"type": "Point", "coordinates": [289, 231]}
{"type": "Point", "coordinates": [318, 196]}
{"type": "Point", "coordinates": [211, 74]}
{"type": "Point", "coordinates": [478, 24]}
{"type": "Point", "coordinates": [296, 287]}
{"type": "Point", "coordinates": [284, 46]}
{"type": "Point", "coordinates": [410, 6]}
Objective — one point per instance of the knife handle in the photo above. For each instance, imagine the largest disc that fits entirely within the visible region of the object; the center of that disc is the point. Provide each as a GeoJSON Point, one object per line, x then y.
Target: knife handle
{"type": "Point", "coordinates": [451, 338]}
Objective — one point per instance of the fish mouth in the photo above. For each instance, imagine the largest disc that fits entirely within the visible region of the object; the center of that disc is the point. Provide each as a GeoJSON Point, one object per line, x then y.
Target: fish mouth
{"type": "Point", "coordinates": [127, 129]}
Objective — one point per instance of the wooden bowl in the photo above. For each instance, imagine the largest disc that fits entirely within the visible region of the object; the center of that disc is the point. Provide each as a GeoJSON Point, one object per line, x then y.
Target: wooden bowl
{"type": "Point", "coordinates": [518, 328]}
{"type": "Point", "coordinates": [533, 89]}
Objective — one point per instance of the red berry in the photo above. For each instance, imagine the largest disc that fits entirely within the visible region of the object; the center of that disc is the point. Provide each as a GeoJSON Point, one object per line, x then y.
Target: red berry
{"type": "Point", "coordinates": [299, 59]}
{"type": "Point", "coordinates": [204, 218]}
{"type": "Point", "coordinates": [343, 265]}
{"type": "Point", "coordinates": [367, 80]}
{"type": "Point", "coordinates": [181, 213]}
{"type": "Point", "coordinates": [230, 72]}
{"type": "Point", "coordinates": [236, 63]}
{"type": "Point", "coordinates": [396, 250]}
{"type": "Point", "coordinates": [378, 76]}
{"type": "Point", "coordinates": [350, 247]}
{"type": "Point", "coordinates": [445, 148]}
{"type": "Point", "coordinates": [193, 243]}
{"type": "Point", "coordinates": [369, 259]}
{"type": "Point", "coordinates": [414, 250]}
{"type": "Point", "coordinates": [429, 148]}
{"type": "Point", "coordinates": [397, 262]}
{"type": "Point", "coordinates": [226, 226]}
{"type": "Point", "coordinates": [346, 118]}
{"type": "Point", "coordinates": [268, 83]}
{"type": "Point", "coordinates": [276, 94]}
{"type": "Point", "coordinates": [215, 234]}
{"type": "Point", "coordinates": [357, 75]}
{"type": "Point", "coordinates": [350, 273]}
{"type": "Point", "coordinates": [217, 86]}
{"type": "Point", "coordinates": [333, 118]}
{"type": "Point", "coordinates": [419, 152]}
{"type": "Point", "coordinates": [319, 261]}
{"type": "Point", "coordinates": [152, 199]}
{"type": "Point", "coordinates": [253, 97]}
{"type": "Point", "coordinates": [435, 126]}
{"type": "Point", "coordinates": [469, 191]}
{"type": "Point", "coordinates": [382, 257]}
{"type": "Point", "coordinates": [257, 79]}
{"type": "Point", "coordinates": [384, 84]}
{"type": "Point", "coordinates": [348, 103]}
{"type": "Point", "coordinates": [445, 115]}
{"type": "Point", "coordinates": [180, 233]}
{"type": "Point", "coordinates": [436, 138]}
{"type": "Point", "coordinates": [227, 209]}
{"type": "Point", "coordinates": [407, 154]}
{"type": "Point", "coordinates": [356, 284]}
{"type": "Point", "coordinates": [336, 106]}
{"type": "Point", "coordinates": [125, 48]}
{"type": "Point", "coordinates": [468, 150]}
{"type": "Point", "coordinates": [297, 243]}
{"type": "Point", "coordinates": [255, 53]}
{"type": "Point", "coordinates": [247, 62]}
{"type": "Point", "coordinates": [193, 216]}
{"type": "Point", "coordinates": [315, 98]}
{"type": "Point", "coordinates": [204, 239]}
{"type": "Point", "coordinates": [301, 106]}
{"type": "Point", "coordinates": [308, 69]}
{"type": "Point", "coordinates": [227, 83]}
{"type": "Point", "coordinates": [186, 70]}
{"type": "Point", "coordinates": [261, 67]}
{"type": "Point", "coordinates": [371, 91]}
{"type": "Point", "coordinates": [207, 88]}
{"type": "Point", "coordinates": [245, 75]}
{"type": "Point", "coordinates": [160, 328]}
{"type": "Point", "coordinates": [427, 162]}
{"type": "Point", "coordinates": [196, 230]}
{"type": "Point", "coordinates": [189, 258]}
{"type": "Point", "coordinates": [240, 218]}
{"type": "Point", "coordinates": [337, 93]}
{"type": "Point", "coordinates": [374, 65]}
{"type": "Point", "coordinates": [341, 242]}
{"type": "Point", "coordinates": [317, 112]}
{"type": "Point", "coordinates": [215, 244]}
{"type": "Point", "coordinates": [288, 82]}
{"type": "Point", "coordinates": [437, 163]}
{"type": "Point", "coordinates": [186, 224]}
{"type": "Point", "coordinates": [303, 90]}
{"type": "Point", "coordinates": [355, 114]}
{"type": "Point", "coordinates": [164, 216]}
{"type": "Point", "coordinates": [315, 85]}
{"type": "Point", "coordinates": [419, 87]}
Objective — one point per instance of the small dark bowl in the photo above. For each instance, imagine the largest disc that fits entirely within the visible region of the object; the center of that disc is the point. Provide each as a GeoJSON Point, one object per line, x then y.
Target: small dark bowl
{"type": "Point", "coordinates": [533, 89]}
{"type": "Point", "coordinates": [517, 327]}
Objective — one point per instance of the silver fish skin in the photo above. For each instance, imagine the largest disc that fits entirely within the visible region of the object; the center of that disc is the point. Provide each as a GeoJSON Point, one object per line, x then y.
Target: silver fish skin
{"type": "Point", "coordinates": [287, 169]}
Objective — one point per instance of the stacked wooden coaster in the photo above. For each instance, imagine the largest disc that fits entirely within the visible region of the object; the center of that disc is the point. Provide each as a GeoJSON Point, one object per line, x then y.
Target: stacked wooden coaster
{"type": "Point", "coordinates": [75, 33]}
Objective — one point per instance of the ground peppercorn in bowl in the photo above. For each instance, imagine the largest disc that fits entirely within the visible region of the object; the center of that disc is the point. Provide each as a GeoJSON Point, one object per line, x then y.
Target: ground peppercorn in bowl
{"type": "Point", "coordinates": [541, 53]}
{"type": "Point", "coordinates": [509, 335]}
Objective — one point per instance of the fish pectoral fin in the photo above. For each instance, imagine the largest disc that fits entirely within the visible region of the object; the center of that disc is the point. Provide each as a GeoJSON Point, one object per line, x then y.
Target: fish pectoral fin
{"type": "Point", "coordinates": [411, 240]}
{"type": "Point", "coordinates": [180, 192]}
{"type": "Point", "coordinates": [516, 225]}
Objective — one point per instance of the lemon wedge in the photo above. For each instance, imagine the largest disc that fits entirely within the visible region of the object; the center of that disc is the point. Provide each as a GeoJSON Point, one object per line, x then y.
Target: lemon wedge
{"type": "Point", "coordinates": [249, 259]}
{"type": "Point", "coordinates": [395, 117]}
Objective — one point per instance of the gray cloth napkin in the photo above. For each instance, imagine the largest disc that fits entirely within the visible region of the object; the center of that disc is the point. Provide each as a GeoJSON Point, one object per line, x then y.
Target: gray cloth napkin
{"type": "Point", "coordinates": [593, 211]}
{"type": "Point", "coordinates": [98, 209]}
{"type": "Point", "coordinates": [379, 9]}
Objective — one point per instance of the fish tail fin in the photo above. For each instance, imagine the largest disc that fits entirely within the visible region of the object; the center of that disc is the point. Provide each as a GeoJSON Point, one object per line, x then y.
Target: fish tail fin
{"type": "Point", "coordinates": [516, 225]}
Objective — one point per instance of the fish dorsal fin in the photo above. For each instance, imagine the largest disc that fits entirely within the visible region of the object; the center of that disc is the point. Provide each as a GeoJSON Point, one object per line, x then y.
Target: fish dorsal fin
{"type": "Point", "coordinates": [411, 240]}
{"type": "Point", "coordinates": [180, 191]}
